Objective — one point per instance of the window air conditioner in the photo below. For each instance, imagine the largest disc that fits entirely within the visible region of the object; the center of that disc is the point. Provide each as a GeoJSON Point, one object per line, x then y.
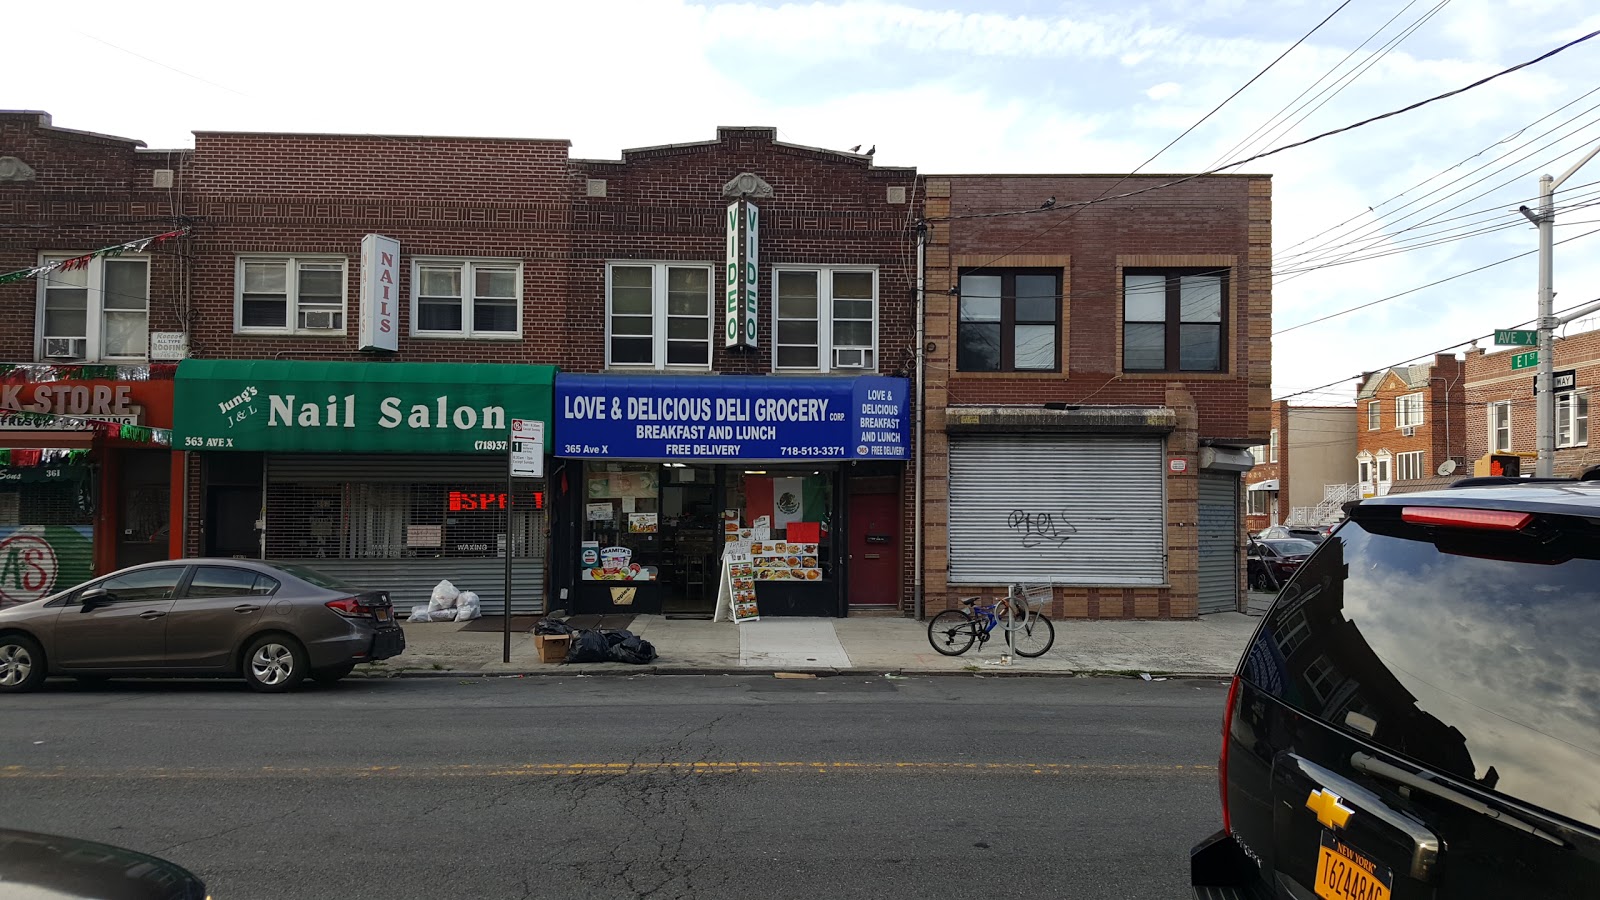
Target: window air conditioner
{"type": "Point", "coordinates": [320, 319]}
{"type": "Point", "coordinates": [65, 348]}
{"type": "Point", "coordinates": [1408, 431]}
{"type": "Point", "coordinates": [852, 358]}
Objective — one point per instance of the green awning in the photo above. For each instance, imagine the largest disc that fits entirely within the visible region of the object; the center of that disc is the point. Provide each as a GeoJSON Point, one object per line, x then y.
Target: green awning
{"type": "Point", "coordinates": [358, 407]}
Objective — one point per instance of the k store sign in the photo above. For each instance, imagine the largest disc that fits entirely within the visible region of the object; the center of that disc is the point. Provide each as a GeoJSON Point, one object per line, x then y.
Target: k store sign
{"type": "Point", "coordinates": [380, 293]}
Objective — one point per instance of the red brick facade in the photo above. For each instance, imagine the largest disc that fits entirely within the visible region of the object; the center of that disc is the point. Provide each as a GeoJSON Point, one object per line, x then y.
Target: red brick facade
{"type": "Point", "coordinates": [1441, 434]}
{"type": "Point", "coordinates": [1490, 379]}
{"type": "Point", "coordinates": [1212, 224]}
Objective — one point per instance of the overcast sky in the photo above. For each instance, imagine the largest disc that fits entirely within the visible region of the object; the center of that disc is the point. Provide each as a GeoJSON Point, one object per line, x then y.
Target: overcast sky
{"type": "Point", "coordinates": [999, 87]}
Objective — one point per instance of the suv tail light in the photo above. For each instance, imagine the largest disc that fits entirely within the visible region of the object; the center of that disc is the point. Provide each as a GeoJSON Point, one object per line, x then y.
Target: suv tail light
{"type": "Point", "coordinates": [1222, 760]}
{"type": "Point", "coordinates": [350, 607]}
{"type": "Point", "coordinates": [1481, 519]}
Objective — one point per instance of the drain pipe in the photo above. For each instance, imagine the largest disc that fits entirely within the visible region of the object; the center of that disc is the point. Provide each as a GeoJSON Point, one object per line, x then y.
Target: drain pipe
{"type": "Point", "coordinates": [916, 590]}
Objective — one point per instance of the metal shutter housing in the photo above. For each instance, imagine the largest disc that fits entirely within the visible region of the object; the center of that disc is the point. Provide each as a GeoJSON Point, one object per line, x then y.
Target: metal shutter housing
{"type": "Point", "coordinates": [1065, 509]}
{"type": "Point", "coordinates": [1219, 541]}
{"type": "Point", "coordinates": [409, 580]}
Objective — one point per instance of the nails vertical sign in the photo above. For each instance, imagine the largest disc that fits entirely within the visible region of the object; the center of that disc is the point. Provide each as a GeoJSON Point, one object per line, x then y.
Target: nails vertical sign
{"type": "Point", "coordinates": [744, 229]}
{"type": "Point", "coordinates": [380, 293]}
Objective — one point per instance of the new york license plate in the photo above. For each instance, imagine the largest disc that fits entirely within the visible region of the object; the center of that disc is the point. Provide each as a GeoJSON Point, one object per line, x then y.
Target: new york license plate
{"type": "Point", "coordinates": [1343, 873]}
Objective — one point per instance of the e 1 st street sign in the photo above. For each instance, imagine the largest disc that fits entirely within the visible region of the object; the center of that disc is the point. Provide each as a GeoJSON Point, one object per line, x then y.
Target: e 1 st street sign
{"type": "Point", "coordinates": [1516, 338]}
{"type": "Point", "coordinates": [1525, 360]}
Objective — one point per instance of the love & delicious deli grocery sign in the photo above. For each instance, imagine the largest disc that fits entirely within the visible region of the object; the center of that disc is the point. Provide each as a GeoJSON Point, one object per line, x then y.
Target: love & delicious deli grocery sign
{"type": "Point", "coordinates": [731, 417]}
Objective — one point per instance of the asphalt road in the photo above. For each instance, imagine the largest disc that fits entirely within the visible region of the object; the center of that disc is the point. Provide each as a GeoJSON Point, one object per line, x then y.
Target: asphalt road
{"type": "Point", "coordinates": [618, 787]}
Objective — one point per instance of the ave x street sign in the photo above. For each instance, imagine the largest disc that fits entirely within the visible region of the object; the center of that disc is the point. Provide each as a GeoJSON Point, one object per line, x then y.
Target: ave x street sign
{"type": "Point", "coordinates": [1516, 338]}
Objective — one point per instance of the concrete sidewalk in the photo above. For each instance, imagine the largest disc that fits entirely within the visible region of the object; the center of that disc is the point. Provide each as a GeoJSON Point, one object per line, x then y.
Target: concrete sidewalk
{"type": "Point", "coordinates": [1207, 646]}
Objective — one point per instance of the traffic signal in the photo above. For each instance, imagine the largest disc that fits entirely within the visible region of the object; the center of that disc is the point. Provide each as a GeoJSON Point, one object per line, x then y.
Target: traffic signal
{"type": "Point", "coordinates": [1499, 465]}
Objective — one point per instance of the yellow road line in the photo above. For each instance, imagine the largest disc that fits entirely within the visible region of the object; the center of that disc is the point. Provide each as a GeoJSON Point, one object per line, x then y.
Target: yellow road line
{"type": "Point", "coordinates": [599, 768]}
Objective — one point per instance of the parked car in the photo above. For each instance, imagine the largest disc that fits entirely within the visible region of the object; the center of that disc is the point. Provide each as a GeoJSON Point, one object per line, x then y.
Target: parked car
{"type": "Point", "coordinates": [273, 624]}
{"type": "Point", "coordinates": [1316, 534]}
{"type": "Point", "coordinates": [1269, 563]}
{"type": "Point", "coordinates": [1417, 714]}
{"type": "Point", "coordinates": [47, 867]}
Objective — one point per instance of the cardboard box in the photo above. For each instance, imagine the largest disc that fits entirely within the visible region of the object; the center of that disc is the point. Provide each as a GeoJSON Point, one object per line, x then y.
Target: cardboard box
{"type": "Point", "coordinates": [552, 647]}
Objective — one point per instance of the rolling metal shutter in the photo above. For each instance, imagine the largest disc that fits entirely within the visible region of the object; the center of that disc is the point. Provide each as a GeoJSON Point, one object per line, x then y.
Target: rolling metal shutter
{"type": "Point", "coordinates": [1057, 508]}
{"type": "Point", "coordinates": [346, 515]}
{"type": "Point", "coordinates": [1219, 541]}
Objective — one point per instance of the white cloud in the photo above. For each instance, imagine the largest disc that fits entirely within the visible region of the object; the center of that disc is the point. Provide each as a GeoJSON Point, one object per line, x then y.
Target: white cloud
{"type": "Point", "coordinates": [1164, 90]}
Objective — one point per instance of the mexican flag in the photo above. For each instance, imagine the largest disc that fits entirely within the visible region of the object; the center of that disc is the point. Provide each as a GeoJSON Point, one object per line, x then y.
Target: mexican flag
{"type": "Point", "coordinates": [798, 499]}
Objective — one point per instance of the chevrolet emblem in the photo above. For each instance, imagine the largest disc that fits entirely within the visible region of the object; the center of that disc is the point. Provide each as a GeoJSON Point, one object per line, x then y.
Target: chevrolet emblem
{"type": "Point", "coordinates": [1330, 810]}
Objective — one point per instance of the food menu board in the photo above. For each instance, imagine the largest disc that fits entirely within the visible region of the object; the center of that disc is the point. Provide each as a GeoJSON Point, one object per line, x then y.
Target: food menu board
{"type": "Point", "coordinates": [739, 576]}
{"type": "Point", "coordinates": [785, 561]}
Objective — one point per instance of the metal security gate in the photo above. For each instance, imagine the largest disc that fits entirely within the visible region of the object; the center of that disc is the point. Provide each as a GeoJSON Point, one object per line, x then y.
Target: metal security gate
{"type": "Point", "coordinates": [1057, 508]}
{"type": "Point", "coordinates": [1219, 541]}
{"type": "Point", "coordinates": [405, 523]}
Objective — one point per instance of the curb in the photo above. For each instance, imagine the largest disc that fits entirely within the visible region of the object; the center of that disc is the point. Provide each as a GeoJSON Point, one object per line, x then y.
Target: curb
{"type": "Point", "coordinates": [561, 670]}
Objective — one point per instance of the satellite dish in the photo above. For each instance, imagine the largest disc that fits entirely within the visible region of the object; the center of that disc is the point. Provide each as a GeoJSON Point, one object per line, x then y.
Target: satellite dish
{"type": "Point", "coordinates": [1446, 467]}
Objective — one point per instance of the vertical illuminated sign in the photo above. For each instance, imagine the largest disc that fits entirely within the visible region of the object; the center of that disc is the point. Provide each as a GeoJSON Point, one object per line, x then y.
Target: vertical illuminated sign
{"type": "Point", "coordinates": [380, 295]}
{"type": "Point", "coordinates": [743, 222]}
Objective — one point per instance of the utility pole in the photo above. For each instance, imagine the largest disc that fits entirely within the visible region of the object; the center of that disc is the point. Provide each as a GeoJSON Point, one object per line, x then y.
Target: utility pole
{"type": "Point", "coordinates": [1545, 404]}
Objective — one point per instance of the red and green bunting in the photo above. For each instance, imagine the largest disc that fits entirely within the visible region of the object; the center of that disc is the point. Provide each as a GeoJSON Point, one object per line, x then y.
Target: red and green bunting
{"type": "Point", "coordinates": [79, 262]}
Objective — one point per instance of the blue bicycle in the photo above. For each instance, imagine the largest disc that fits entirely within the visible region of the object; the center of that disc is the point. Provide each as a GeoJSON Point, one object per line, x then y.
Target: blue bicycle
{"type": "Point", "coordinates": [1028, 632]}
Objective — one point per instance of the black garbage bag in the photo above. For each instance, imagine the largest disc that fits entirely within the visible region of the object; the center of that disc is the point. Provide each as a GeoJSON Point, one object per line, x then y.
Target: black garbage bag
{"type": "Point", "coordinates": [633, 649]}
{"type": "Point", "coordinates": [589, 646]}
{"type": "Point", "coordinates": [615, 636]}
{"type": "Point", "coordinates": [552, 626]}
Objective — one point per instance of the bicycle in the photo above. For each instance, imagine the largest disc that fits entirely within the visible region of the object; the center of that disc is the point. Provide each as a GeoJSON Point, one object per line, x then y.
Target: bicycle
{"type": "Point", "coordinates": [1028, 632]}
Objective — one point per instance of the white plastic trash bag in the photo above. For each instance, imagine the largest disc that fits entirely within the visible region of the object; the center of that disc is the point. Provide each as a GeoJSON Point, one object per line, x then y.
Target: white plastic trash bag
{"type": "Point", "coordinates": [445, 596]}
{"type": "Point", "coordinates": [468, 607]}
{"type": "Point", "coordinates": [419, 613]}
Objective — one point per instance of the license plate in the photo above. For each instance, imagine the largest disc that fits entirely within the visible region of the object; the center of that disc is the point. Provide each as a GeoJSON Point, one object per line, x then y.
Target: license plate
{"type": "Point", "coordinates": [1343, 873]}
{"type": "Point", "coordinates": [383, 613]}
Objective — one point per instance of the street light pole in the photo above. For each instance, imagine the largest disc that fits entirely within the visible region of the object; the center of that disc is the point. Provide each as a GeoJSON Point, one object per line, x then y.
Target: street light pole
{"type": "Point", "coordinates": [1545, 404]}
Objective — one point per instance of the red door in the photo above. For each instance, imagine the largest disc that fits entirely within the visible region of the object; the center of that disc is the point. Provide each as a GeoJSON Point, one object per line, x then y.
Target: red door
{"type": "Point", "coordinates": [874, 549]}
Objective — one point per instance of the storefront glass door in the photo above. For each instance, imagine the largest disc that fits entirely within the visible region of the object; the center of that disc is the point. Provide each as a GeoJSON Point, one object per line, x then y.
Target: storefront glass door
{"type": "Point", "coordinates": [691, 535]}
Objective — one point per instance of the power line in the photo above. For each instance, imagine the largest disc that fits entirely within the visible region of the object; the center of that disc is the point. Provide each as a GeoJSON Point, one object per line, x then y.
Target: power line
{"type": "Point", "coordinates": [1430, 284]}
{"type": "Point", "coordinates": [1322, 388]}
{"type": "Point", "coordinates": [1314, 138]}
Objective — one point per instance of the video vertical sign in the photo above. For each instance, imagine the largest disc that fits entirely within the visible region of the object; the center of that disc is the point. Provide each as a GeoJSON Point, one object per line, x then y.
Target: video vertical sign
{"type": "Point", "coordinates": [743, 223]}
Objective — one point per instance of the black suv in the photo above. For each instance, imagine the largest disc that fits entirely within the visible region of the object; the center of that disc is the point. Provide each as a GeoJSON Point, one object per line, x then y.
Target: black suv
{"type": "Point", "coordinates": [1418, 714]}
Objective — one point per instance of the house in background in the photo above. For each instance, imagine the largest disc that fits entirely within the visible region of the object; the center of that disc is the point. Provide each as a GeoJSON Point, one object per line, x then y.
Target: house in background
{"type": "Point", "coordinates": [1411, 432]}
{"type": "Point", "coordinates": [1305, 472]}
{"type": "Point", "coordinates": [1500, 416]}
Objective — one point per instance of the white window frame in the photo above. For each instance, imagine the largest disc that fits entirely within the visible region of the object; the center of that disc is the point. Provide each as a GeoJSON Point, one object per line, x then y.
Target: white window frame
{"type": "Point", "coordinates": [469, 267]}
{"type": "Point", "coordinates": [659, 317]}
{"type": "Point", "coordinates": [1364, 470]}
{"type": "Point", "coordinates": [292, 297]}
{"type": "Point", "coordinates": [1257, 503]}
{"type": "Point", "coordinates": [825, 318]}
{"type": "Point", "coordinates": [1408, 466]}
{"type": "Point", "coordinates": [1408, 410]}
{"type": "Point", "coordinates": [95, 309]}
{"type": "Point", "coordinates": [1272, 446]}
{"type": "Point", "coordinates": [1572, 416]}
{"type": "Point", "coordinates": [1383, 470]}
{"type": "Point", "coordinates": [1258, 454]}
{"type": "Point", "coordinates": [1494, 409]}
{"type": "Point", "coordinates": [1374, 415]}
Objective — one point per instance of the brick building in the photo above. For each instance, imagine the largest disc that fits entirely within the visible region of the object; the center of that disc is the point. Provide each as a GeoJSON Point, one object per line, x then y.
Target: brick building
{"type": "Point", "coordinates": [734, 322]}
{"type": "Point", "coordinates": [1501, 415]}
{"type": "Point", "coordinates": [97, 262]}
{"type": "Point", "coordinates": [1410, 421]}
{"type": "Point", "coordinates": [1093, 376]}
{"type": "Point", "coordinates": [1306, 469]}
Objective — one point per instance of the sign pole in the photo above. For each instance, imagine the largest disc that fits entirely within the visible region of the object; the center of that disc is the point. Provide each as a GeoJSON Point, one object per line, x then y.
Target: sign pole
{"type": "Point", "coordinates": [505, 619]}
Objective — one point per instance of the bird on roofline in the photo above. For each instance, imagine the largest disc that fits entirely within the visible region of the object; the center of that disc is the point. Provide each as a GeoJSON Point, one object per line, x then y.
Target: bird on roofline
{"type": "Point", "coordinates": [1048, 203]}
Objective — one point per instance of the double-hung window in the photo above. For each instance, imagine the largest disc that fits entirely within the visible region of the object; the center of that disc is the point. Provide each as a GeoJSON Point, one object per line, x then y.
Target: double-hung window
{"type": "Point", "coordinates": [1408, 411]}
{"type": "Point", "coordinates": [466, 298]}
{"type": "Point", "coordinates": [1408, 466]}
{"type": "Point", "coordinates": [1500, 426]}
{"type": "Point", "coordinates": [1374, 415]}
{"type": "Point", "coordinates": [1010, 321]}
{"type": "Point", "coordinates": [1572, 419]}
{"type": "Point", "coordinates": [658, 315]}
{"type": "Point", "coordinates": [1174, 320]}
{"type": "Point", "coordinates": [96, 311]}
{"type": "Point", "coordinates": [1272, 445]}
{"type": "Point", "coordinates": [826, 319]}
{"type": "Point", "coordinates": [290, 295]}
